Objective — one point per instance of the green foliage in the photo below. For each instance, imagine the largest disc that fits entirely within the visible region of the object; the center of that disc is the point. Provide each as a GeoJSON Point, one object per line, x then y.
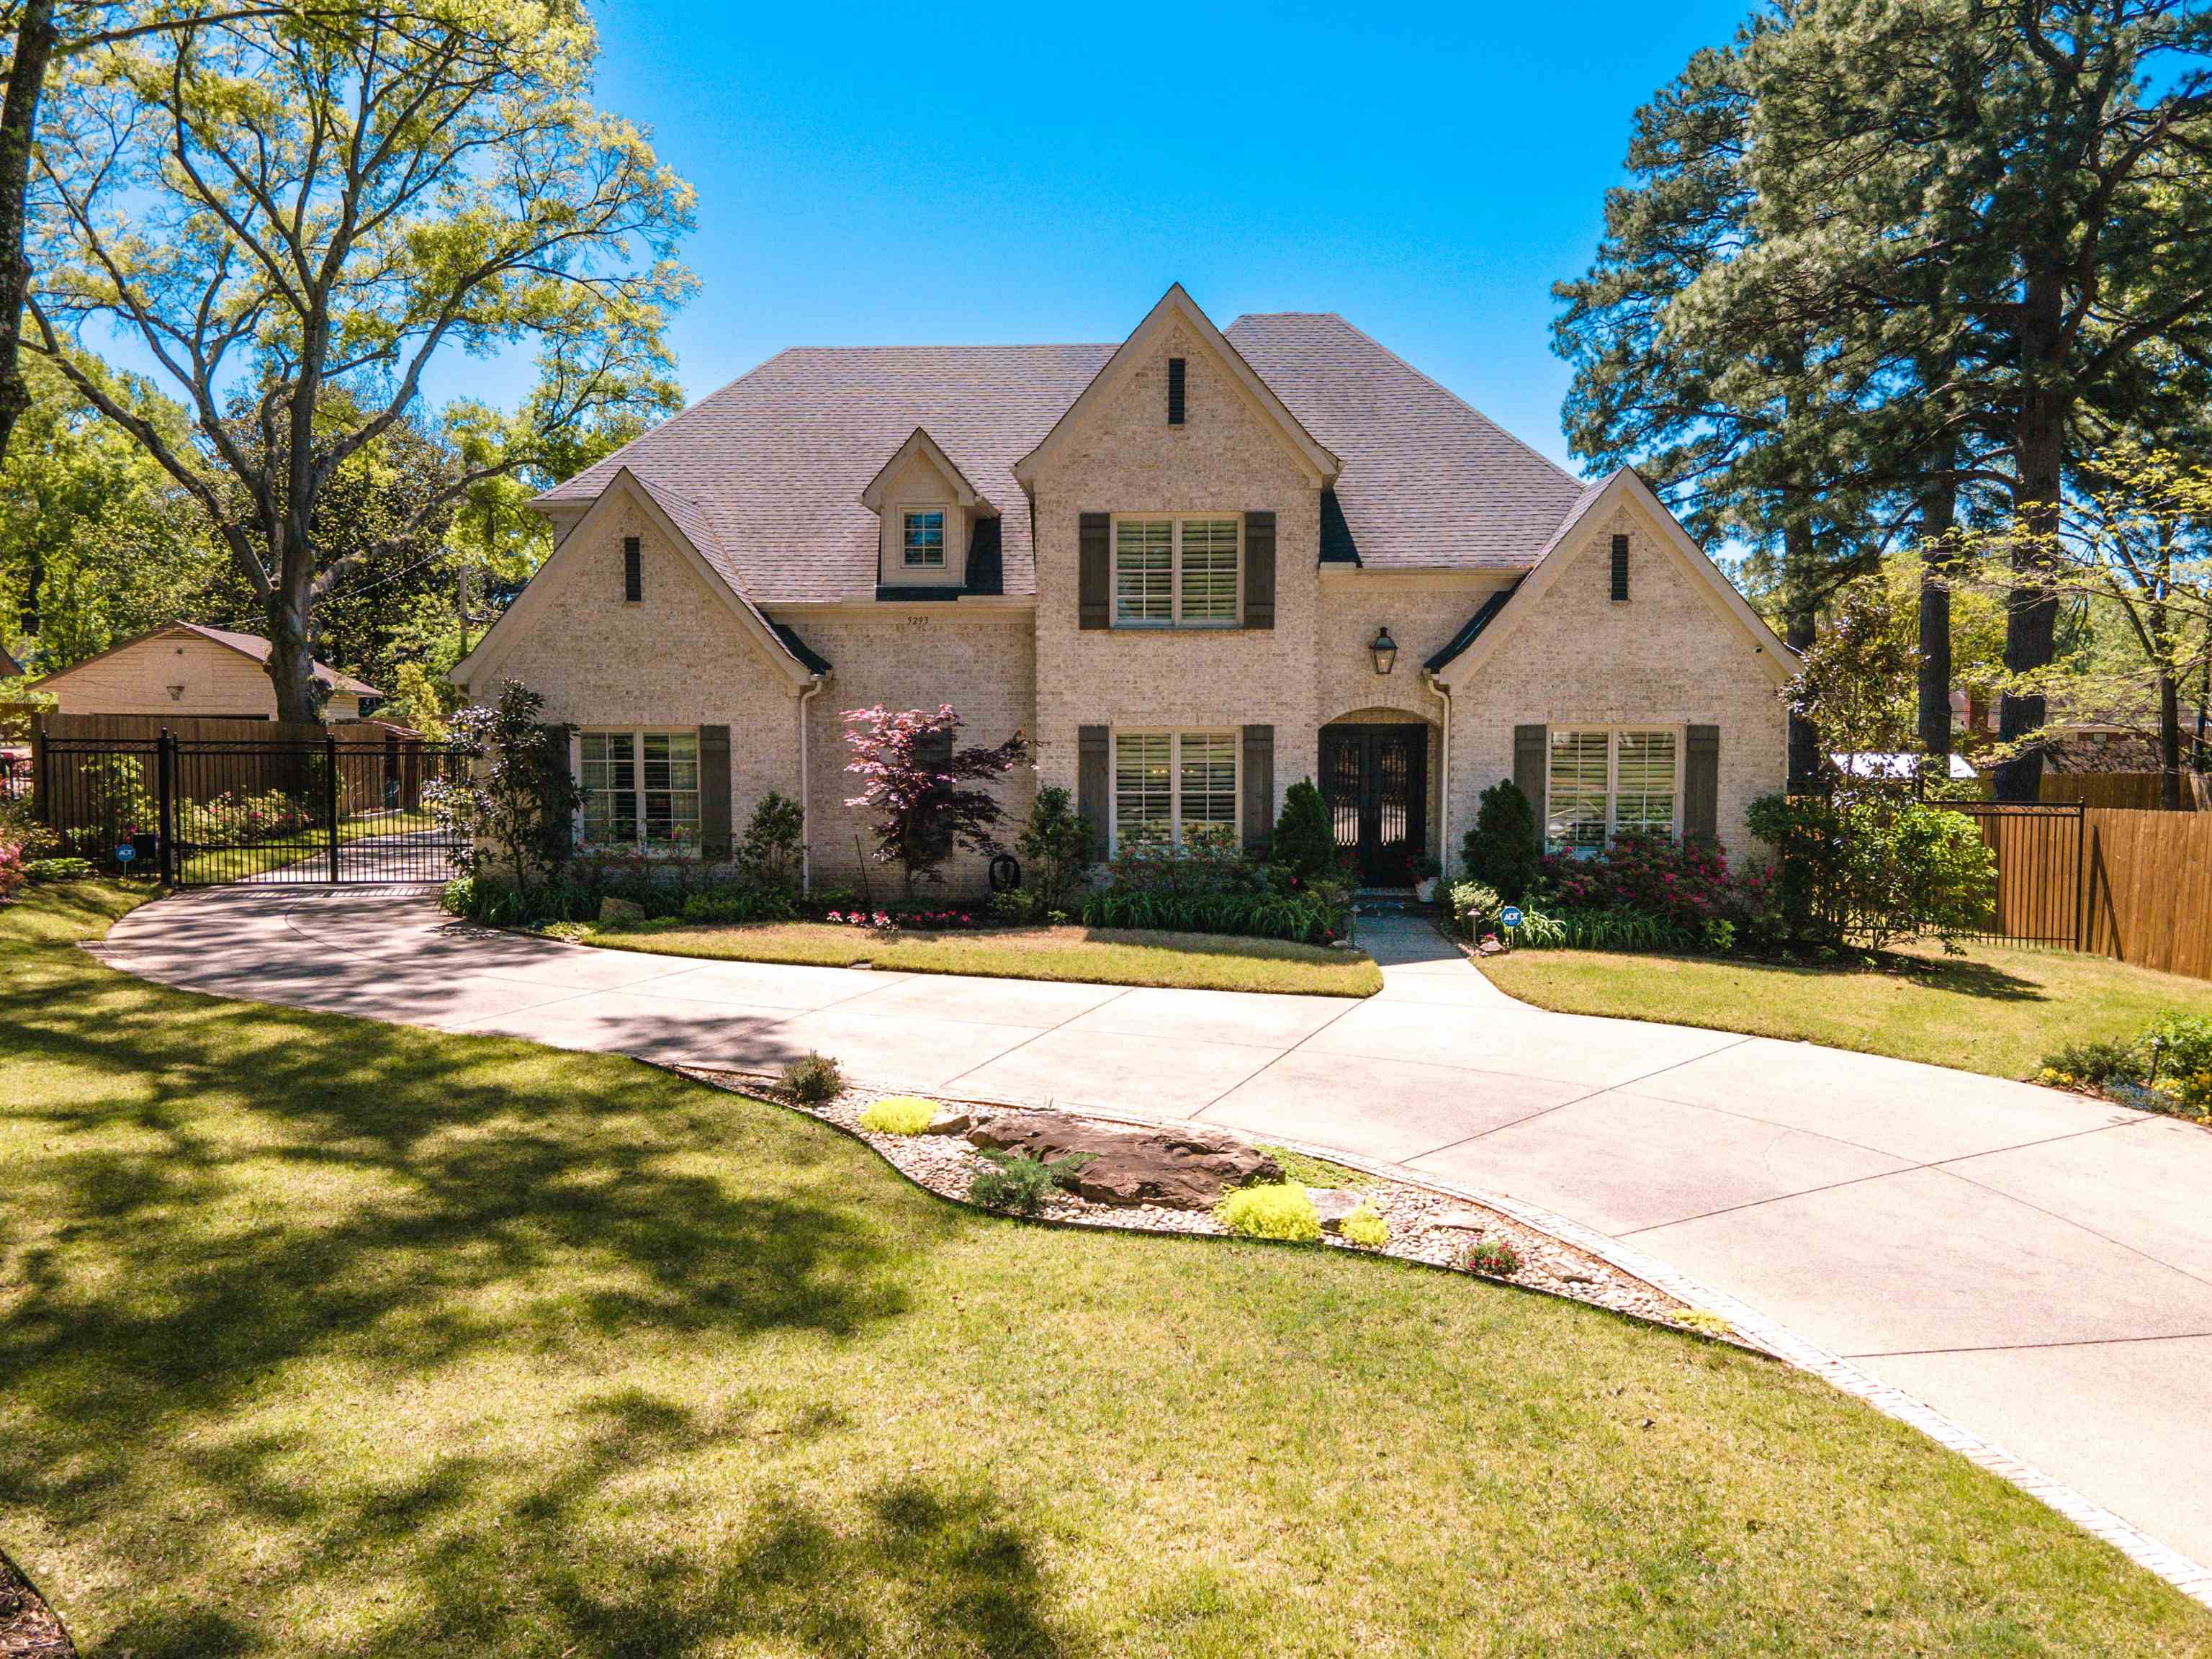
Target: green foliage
{"type": "Point", "coordinates": [58, 869]}
{"type": "Point", "coordinates": [2180, 1045]}
{"type": "Point", "coordinates": [1493, 1258]}
{"type": "Point", "coordinates": [1503, 848]}
{"type": "Point", "coordinates": [1605, 930]}
{"type": "Point", "coordinates": [1209, 889]}
{"type": "Point", "coordinates": [2095, 1062]}
{"type": "Point", "coordinates": [1055, 844]}
{"type": "Point", "coordinates": [1272, 1211]}
{"type": "Point", "coordinates": [573, 894]}
{"type": "Point", "coordinates": [1474, 908]}
{"type": "Point", "coordinates": [812, 1079]}
{"type": "Point", "coordinates": [1858, 686]}
{"type": "Point", "coordinates": [899, 1114]}
{"type": "Point", "coordinates": [769, 854]}
{"type": "Point", "coordinates": [1366, 1227]}
{"type": "Point", "coordinates": [1863, 869]}
{"type": "Point", "coordinates": [518, 798]}
{"type": "Point", "coordinates": [1020, 1183]}
{"type": "Point", "coordinates": [1311, 1171]}
{"type": "Point", "coordinates": [1304, 841]}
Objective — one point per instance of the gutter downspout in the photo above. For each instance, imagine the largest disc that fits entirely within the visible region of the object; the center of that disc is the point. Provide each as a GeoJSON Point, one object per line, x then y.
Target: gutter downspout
{"type": "Point", "coordinates": [1444, 783]}
{"type": "Point", "coordinates": [805, 794]}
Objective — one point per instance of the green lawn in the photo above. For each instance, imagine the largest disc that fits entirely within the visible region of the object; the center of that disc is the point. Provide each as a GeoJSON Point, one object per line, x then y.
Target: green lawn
{"type": "Point", "coordinates": [322, 1337]}
{"type": "Point", "coordinates": [1099, 956]}
{"type": "Point", "coordinates": [1996, 1009]}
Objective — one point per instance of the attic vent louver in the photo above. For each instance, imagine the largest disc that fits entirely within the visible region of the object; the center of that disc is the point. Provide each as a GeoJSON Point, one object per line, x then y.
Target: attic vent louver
{"type": "Point", "coordinates": [633, 571]}
{"type": "Point", "coordinates": [1175, 391]}
{"type": "Point", "coordinates": [1621, 567]}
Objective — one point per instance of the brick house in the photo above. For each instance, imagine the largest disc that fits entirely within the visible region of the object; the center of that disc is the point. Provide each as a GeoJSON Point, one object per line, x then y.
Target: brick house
{"type": "Point", "coordinates": [183, 668]}
{"type": "Point", "coordinates": [1196, 567]}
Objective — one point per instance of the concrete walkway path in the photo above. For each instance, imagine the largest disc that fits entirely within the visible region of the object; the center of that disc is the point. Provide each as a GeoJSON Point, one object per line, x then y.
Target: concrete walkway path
{"type": "Point", "coordinates": [2036, 1267]}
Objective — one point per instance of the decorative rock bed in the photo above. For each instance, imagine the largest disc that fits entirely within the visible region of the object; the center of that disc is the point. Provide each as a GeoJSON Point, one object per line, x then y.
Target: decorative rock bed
{"type": "Point", "coordinates": [1433, 1228]}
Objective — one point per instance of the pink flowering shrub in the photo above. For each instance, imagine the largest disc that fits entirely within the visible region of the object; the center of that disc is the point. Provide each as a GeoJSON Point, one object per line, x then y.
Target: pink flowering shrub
{"type": "Point", "coordinates": [1686, 886]}
{"type": "Point", "coordinates": [883, 921]}
{"type": "Point", "coordinates": [11, 868]}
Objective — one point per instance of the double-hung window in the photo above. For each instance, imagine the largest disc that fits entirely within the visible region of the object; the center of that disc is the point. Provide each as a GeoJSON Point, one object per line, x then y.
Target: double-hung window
{"type": "Point", "coordinates": [641, 790]}
{"type": "Point", "coordinates": [1174, 789]}
{"type": "Point", "coordinates": [1605, 781]}
{"type": "Point", "coordinates": [1175, 573]}
{"type": "Point", "coordinates": [921, 539]}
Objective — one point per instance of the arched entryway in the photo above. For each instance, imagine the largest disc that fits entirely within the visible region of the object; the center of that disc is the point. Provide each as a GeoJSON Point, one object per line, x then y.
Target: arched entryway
{"type": "Point", "coordinates": [1377, 771]}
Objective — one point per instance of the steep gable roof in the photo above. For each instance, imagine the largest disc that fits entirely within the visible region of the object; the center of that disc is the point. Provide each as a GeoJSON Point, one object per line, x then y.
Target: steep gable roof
{"type": "Point", "coordinates": [779, 459]}
{"type": "Point", "coordinates": [920, 443]}
{"type": "Point", "coordinates": [1427, 479]}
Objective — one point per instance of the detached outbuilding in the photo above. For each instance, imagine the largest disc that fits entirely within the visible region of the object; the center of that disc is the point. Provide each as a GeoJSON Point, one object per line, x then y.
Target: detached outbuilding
{"type": "Point", "coordinates": [185, 669]}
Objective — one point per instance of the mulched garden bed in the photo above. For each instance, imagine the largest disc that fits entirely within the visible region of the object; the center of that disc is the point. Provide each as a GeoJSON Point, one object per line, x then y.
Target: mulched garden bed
{"type": "Point", "coordinates": [1432, 1228]}
{"type": "Point", "coordinates": [28, 1627]}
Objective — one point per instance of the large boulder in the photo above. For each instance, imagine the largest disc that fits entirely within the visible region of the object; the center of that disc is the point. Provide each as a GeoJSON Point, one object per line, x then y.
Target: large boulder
{"type": "Point", "coordinates": [1177, 1168]}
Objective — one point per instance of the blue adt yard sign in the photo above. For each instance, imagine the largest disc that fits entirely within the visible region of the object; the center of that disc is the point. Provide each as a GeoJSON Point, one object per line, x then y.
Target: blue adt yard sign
{"type": "Point", "coordinates": [1509, 917]}
{"type": "Point", "coordinates": [125, 852]}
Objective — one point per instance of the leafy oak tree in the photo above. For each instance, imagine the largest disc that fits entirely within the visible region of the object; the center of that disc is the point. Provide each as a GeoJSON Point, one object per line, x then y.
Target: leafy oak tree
{"type": "Point", "coordinates": [293, 216]}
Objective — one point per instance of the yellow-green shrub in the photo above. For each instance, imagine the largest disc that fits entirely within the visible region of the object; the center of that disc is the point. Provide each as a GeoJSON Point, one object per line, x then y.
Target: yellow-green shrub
{"type": "Point", "coordinates": [1365, 1227]}
{"type": "Point", "coordinates": [899, 1114]}
{"type": "Point", "coordinates": [1283, 1212]}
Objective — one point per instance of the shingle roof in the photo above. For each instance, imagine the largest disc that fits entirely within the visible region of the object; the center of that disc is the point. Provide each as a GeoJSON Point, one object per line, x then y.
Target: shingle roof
{"type": "Point", "coordinates": [1427, 480]}
{"type": "Point", "coordinates": [255, 647]}
{"type": "Point", "coordinates": [774, 463]}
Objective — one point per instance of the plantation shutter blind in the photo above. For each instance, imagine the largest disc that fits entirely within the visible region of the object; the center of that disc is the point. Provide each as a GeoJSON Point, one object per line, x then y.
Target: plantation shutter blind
{"type": "Point", "coordinates": [1090, 783]}
{"type": "Point", "coordinates": [715, 792]}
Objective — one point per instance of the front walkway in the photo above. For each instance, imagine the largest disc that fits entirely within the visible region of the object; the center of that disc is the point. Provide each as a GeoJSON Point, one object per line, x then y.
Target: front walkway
{"type": "Point", "coordinates": [2035, 1265]}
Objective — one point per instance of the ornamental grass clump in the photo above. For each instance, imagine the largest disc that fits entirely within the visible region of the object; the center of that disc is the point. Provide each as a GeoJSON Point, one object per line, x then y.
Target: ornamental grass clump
{"type": "Point", "coordinates": [1020, 1183]}
{"type": "Point", "coordinates": [813, 1079]}
{"type": "Point", "coordinates": [1281, 1211]}
{"type": "Point", "coordinates": [899, 1114]}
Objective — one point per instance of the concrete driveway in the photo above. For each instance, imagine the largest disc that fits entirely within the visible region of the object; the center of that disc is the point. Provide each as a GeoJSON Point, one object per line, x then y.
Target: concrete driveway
{"type": "Point", "coordinates": [2035, 1267]}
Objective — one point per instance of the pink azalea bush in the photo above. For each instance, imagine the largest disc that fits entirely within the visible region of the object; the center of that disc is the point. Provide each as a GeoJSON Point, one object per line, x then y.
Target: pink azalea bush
{"type": "Point", "coordinates": [11, 868]}
{"type": "Point", "coordinates": [1686, 886]}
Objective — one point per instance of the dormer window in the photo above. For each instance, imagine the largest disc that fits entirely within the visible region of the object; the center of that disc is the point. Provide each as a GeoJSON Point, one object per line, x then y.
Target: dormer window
{"type": "Point", "coordinates": [921, 538]}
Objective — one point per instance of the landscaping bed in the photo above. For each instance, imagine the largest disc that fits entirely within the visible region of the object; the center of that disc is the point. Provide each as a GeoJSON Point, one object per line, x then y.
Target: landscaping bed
{"type": "Point", "coordinates": [1432, 1228]}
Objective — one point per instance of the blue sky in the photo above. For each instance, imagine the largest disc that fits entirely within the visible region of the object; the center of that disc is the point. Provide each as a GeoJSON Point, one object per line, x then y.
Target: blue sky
{"type": "Point", "coordinates": [937, 174]}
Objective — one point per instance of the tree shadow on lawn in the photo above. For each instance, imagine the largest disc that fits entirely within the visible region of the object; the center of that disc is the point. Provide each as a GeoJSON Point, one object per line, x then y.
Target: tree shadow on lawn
{"type": "Point", "coordinates": [211, 1203]}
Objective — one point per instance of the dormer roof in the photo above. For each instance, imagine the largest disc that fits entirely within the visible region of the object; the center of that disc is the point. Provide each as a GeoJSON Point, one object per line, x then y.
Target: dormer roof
{"type": "Point", "coordinates": [919, 443]}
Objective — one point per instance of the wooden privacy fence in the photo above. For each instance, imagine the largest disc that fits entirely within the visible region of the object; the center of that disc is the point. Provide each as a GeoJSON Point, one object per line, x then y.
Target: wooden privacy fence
{"type": "Point", "coordinates": [2148, 876]}
{"type": "Point", "coordinates": [2136, 791]}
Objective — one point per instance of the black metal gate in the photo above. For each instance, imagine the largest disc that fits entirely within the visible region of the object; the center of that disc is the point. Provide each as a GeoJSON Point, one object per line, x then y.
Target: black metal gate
{"type": "Point", "coordinates": [198, 812]}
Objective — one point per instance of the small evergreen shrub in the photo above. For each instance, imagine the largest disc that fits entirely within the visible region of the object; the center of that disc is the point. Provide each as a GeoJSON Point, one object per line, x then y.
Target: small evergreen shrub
{"type": "Point", "coordinates": [1366, 1227]}
{"type": "Point", "coordinates": [1055, 843]}
{"type": "Point", "coordinates": [1863, 871]}
{"type": "Point", "coordinates": [813, 1079]}
{"type": "Point", "coordinates": [899, 1114]}
{"type": "Point", "coordinates": [1474, 908]}
{"type": "Point", "coordinates": [1502, 849]}
{"type": "Point", "coordinates": [2181, 1046]}
{"type": "Point", "coordinates": [2094, 1064]}
{"type": "Point", "coordinates": [1304, 840]}
{"type": "Point", "coordinates": [1493, 1258]}
{"type": "Point", "coordinates": [1020, 1183]}
{"type": "Point", "coordinates": [1283, 1212]}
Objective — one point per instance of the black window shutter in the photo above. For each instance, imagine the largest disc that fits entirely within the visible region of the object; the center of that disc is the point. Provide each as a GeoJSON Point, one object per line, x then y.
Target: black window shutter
{"type": "Point", "coordinates": [1620, 566]}
{"type": "Point", "coordinates": [1094, 599]}
{"type": "Point", "coordinates": [1259, 787]}
{"type": "Point", "coordinates": [714, 792]}
{"type": "Point", "coordinates": [1175, 391]}
{"type": "Point", "coordinates": [633, 571]}
{"type": "Point", "coordinates": [1701, 784]}
{"type": "Point", "coordinates": [559, 835]}
{"type": "Point", "coordinates": [1528, 747]}
{"type": "Point", "coordinates": [1090, 783]}
{"type": "Point", "coordinates": [1259, 570]}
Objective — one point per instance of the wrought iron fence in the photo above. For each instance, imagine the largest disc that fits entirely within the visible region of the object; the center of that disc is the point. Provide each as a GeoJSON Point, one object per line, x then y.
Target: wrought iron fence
{"type": "Point", "coordinates": [200, 812]}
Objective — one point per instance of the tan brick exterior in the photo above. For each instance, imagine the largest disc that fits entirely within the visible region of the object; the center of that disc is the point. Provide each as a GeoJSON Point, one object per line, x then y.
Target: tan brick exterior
{"type": "Point", "coordinates": [680, 657]}
{"type": "Point", "coordinates": [1225, 458]}
{"type": "Point", "coordinates": [1670, 656]}
{"type": "Point", "coordinates": [917, 657]}
{"type": "Point", "coordinates": [1563, 654]}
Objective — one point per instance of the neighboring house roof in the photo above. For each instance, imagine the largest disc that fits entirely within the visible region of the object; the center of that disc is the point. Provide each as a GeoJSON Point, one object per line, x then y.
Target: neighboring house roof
{"type": "Point", "coordinates": [778, 459]}
{"type": "Point", "coordinates": [246, 645]}
{"type": "Point", "coordinates": [8, 666]}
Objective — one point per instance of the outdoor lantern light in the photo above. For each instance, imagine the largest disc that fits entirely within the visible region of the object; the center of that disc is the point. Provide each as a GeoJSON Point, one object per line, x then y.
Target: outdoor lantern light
{"type": "Point", "coordinates": [1386, 651]}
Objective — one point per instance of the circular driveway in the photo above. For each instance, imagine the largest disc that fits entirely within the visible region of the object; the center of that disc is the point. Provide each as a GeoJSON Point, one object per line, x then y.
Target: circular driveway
{"type": "Point", "coordinates": [2034, 1266]}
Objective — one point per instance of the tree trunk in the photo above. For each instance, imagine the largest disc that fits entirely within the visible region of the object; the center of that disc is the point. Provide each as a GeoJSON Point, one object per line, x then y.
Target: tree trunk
{"type": "Point", "coordinates": [2169, 741]}
{"type": "Point", "coordinates": [2031, 608]}
{"type": "Point", "coordinates": [1797, 556]}
{"type": "Point", "coordinates": [1939, 504]}
{"type": "Point", "coordinates": [291, 665]}
{"type": "Point", "coordinates": [18, 119]}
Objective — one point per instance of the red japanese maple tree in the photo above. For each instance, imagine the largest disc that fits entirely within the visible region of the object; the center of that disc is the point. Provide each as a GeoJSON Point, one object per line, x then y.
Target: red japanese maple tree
{"type": "Point", "coordinates": [921, 786]}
